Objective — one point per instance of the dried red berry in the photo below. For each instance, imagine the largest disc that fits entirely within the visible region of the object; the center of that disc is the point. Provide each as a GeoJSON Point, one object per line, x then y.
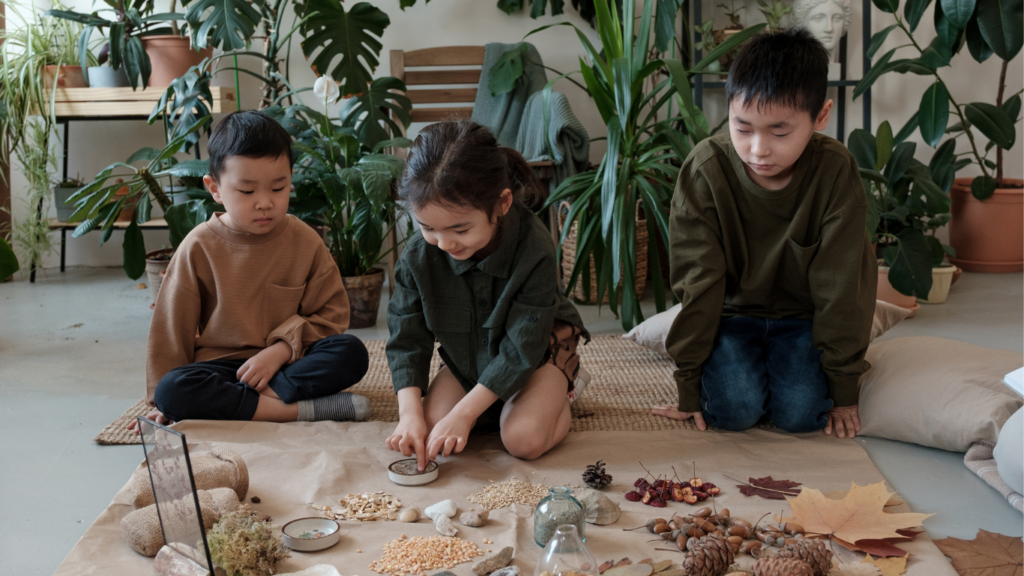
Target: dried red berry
{"type": "Point", "coordinates": [690, 499]}
{"type": "Point", "coordinates": [633, 496]}
{"type": "Point", "coordinates": [638, 482]}
{"type": "Point", "coordinates": [678, 493]}
{"type": "Point", "coordinates": [713, 491]}
{"type": "Point", "coordinates": [701, 496]}
{"type": "Point", "coordinates": [696, 482]}
{"type": "Point", "coordinates": [658, 503]}
{"type": "Point", "coordinates": [647, 497]}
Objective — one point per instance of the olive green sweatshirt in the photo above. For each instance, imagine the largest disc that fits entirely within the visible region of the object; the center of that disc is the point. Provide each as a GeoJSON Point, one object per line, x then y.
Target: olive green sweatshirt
{"type": "Point", "coordinates": [738, 249]}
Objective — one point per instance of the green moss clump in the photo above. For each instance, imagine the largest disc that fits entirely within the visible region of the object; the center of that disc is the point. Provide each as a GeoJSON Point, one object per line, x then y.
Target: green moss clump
{"type": "Point", "coordinates": [244, 545]}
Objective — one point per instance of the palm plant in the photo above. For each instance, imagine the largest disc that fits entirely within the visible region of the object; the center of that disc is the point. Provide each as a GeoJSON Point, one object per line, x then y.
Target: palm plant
{"type": "Point", "coordinates": [643, 157]}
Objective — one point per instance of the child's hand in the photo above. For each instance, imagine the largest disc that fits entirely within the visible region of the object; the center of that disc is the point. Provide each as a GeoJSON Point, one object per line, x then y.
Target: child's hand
{"type": "Point", "coordinates": [449, 436]}
{"type": "Point", "coordinates": [154, 415]}
{"type": "Point", "coordinates": [845, 420]}
{"type": "Point", "coordinates": [258, 370]}
{"type": "Point", "coordinates": [671, 411]}
{"type": "Point", "coordinates": [409, 437]}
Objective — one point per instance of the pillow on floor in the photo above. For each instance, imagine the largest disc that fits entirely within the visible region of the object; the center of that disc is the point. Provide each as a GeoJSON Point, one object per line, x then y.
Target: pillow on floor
{"type": "Point", "coordinates": [651, 333]}
{"type": "Point", "coordinates": [937, 392]}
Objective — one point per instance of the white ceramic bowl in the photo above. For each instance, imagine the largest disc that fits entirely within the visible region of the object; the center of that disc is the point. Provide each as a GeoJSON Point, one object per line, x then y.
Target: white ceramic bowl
{"type": "Point", "coordinates": [404, 472]}
{"type": "Point", "coordinates": [310, 534]}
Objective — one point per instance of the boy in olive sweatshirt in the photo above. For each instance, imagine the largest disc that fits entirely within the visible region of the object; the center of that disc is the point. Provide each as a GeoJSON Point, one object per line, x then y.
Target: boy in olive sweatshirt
{"type": "Point", "coordinates": [770, 256]}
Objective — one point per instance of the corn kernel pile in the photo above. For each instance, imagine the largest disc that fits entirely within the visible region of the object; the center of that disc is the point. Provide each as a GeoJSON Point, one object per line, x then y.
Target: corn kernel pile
{"type": "Point", "coordinates": [418, 554]}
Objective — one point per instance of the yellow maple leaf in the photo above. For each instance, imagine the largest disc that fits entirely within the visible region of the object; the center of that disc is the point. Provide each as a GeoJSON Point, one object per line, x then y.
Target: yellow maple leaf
{"type": "Point", "coordinates": [888, 566]}
{"type": "Point", "coordinates": [860, 515]}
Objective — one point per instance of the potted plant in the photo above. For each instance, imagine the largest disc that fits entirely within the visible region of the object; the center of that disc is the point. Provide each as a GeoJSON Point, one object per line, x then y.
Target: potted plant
{"type": "Point", "coordinates": [645, 151]}
{"type": "Point", "coordinates": [98, 205]}
{"type": "Point", "coordinates": [61, 192]}
{"type": "Point", "coordinates": [708, 42]}
{"type": "Point", "coordinates": [720, 36]}
{"type": "Point", "coordinates": [986, 228]}
{"type": "Point", "coordinates": [181, 218]}
{"type": "Point", "coordinates": [773, 12]}
{"type": "Point", "coordinates": [907, 204]}
{"type": "Point", "coordinates": [344, 184]}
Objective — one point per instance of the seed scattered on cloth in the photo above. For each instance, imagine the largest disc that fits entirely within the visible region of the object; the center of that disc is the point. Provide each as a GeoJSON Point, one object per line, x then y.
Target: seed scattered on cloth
{"type": "Point", "coordinates": [365, 507]}
{"type": "Point", "coordinates": [509, 492]}
{"type": "Point", "coordinates": [418, 554]}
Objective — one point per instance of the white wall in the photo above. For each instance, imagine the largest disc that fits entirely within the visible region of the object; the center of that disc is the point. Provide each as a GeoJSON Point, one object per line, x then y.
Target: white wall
{"type": "Point", "coordinates": [94, 145]}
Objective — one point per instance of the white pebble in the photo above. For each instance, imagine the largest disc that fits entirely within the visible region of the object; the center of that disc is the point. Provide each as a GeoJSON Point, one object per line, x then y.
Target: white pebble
{"type": "Point", "coordinates": [445, 508]}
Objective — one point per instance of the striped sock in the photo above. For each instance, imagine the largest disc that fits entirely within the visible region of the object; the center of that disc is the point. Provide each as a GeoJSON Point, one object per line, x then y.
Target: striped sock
{"type": "Point", "coordinates": [340, 407]}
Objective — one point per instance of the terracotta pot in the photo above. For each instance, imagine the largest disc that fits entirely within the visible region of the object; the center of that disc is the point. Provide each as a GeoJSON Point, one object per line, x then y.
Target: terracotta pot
{"type": "Point", "coordinates": [155, 266]}
{"type": "Point", "coordinates": [171, 57]}
{"type": "Point", "coordinates": [988, 236]}
{"type": "Point", "coordinates": [886, 293]}
{"type": "Point", "coordinates": [128, 208]}
{"type": "Point", "coordinates": [942, 279]}
{"type": "Point", "coordinates": [364, 298]}
{"type": "Point", "coordinates": [69, 77]}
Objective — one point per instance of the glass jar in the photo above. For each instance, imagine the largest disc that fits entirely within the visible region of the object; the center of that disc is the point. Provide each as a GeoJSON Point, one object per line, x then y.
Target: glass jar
{"type": "Point", "coordinates": [558, 508]}
{"type": "Point", "coordinates": [566, 555]}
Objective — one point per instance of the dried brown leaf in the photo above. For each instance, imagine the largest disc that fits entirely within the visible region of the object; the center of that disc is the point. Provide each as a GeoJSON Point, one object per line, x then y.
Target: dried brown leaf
{"type": "Point", "coordinates": [854, 569]}
{"type": "Point", "coordinates": [882, 547]}
{"type": "Point", "coordinates": [770, 488]}
{"type": "Point", "coordinates": [888, 566]}
{"type": "Point", "coordinates": [989, 554]}
{"type": "Point", "coordinates": [858, 516]}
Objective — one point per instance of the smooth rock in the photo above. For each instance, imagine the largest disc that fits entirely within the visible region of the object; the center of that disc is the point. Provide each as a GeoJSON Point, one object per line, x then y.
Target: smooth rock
{"type": "Point", "coordinates": [507, 571]}
{"type": "Point", "coordinates": [410, 515]}
{"type": "Point", "coordinates": [496, 562]}
{"type": "Point", "coordinates": [474, 519]}
{"type": "Point", "coordinates": [445, 507]}
{"type": "Point", "coordinates": [444, 526]}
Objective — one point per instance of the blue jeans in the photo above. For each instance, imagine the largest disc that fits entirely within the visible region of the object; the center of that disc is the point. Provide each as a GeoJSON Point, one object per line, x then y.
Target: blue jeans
{"type": "Point", "coordinates": [211, 391]}
{"type": "Point", "coordinates": [759, 367]}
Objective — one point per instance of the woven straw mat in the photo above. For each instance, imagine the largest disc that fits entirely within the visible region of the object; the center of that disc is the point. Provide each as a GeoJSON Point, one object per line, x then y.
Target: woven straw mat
{"type": "Point", "coordinates": [627, 381]}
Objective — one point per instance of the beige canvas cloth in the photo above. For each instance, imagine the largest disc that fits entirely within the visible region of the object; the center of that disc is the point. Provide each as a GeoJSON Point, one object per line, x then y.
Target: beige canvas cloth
{"type": "Point", "coordinates": [980, 461]}
{"type": "Point", "coordinates": [292, 465]}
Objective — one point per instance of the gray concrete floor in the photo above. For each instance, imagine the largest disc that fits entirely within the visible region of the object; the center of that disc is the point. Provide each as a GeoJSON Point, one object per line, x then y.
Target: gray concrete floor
{"type": "Point", "coordinates": [71, 360]}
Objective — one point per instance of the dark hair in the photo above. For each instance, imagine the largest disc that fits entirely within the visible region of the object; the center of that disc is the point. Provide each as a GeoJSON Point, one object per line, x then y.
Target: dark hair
{"type": "Point", "coordinates": [251, 134]}
{"type": "Point", "coordinates": [787, 67]}
{"type": "Point", "coordinates": [460, 163]}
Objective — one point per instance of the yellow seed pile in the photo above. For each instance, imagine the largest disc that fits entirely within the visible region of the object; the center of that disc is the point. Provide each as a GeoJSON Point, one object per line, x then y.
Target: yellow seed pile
{"type": "Point", "coordinates": [419, 554]}
{"type": "Point", "coordinates": [509, 492]}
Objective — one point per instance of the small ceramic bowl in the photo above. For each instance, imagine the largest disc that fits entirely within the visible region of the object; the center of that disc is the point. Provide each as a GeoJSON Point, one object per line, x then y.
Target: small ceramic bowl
{"type": "Point", "coordinates": [404, 472]}
{"type": "Point", "coordinates": [310, 534]}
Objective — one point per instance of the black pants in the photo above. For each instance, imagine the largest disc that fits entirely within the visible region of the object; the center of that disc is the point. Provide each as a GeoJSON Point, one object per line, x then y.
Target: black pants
{"type": "Point", "coordinates": [211, 390]}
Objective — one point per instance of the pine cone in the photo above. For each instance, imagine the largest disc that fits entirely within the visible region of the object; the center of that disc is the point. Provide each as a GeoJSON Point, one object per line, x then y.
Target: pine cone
{"type": "Point", "coordinates": [595, 476]}
{"type": "Point", "coordinates": [709, 556]}
{"type": "Point", "coordinates": [776, 566]}
{"type": "Point", "coordinates": [813, 552]}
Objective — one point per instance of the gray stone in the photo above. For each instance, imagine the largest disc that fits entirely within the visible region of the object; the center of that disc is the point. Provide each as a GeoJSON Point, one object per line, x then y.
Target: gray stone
{"type": "Point", "coordinates": [494, 563]}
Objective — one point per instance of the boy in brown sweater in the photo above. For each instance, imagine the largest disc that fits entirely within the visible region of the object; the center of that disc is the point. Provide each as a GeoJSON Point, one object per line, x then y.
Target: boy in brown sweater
{"type": "Point", "coordinates": [770, 255]}
{"type": "Point", "coordinates": [249, 320]}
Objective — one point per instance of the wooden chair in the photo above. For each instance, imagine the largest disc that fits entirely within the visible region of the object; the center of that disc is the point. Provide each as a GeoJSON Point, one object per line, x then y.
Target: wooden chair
{"type": "Point", "coordinates": [447, 75]}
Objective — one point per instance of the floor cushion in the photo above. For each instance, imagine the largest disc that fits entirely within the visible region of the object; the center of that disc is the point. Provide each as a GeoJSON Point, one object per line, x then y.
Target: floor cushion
{"type": "Point", "coordinates": [937, 392]}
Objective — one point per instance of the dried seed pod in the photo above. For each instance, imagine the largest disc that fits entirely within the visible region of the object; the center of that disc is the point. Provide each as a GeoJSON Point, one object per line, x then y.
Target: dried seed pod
{"type": "Point", "coordinates": [792, 528]}
{"type": "Point", "coordinates": [660, 528]}
{"type": "Point", "coordinates": [695, 533]}
{"type": "Point", "coordinates": [741, 531]}
{"type": "Point", "coordinates": [673, 524]}
{"type": "Point", "coordinates": [675, 533]}
{"type": "Point", "coordinates": [719, 532]}
{"type": "Point", "coordinates": [781, 566]}
{"type": "Point", "coordinates": [668, 535]}
{"type": "Point", "coordinates": [724, 512]}
{"type": "Point", "coordinates": [681, 541]}
{"type": "Point", "coordinates": [762, 536]}
{"type": "Point", "coordinates": [742, 522]}
{"type": "Point", "coordinates": [703, 512]}
{"type": "Point", "coordinates": [748, 546]}
{"type": "Point", "coordinates": [735, 540]}
{"type": "Point", "coordinates": [717, 519]}
{"type": "Point", "coordinates": [769, 540]}
{"type": "Point", "coordinates": [789, 541]}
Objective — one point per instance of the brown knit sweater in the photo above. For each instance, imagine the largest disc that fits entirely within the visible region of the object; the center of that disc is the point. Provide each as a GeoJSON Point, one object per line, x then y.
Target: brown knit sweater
{"type": "Point", "coordinates": [244, 292]}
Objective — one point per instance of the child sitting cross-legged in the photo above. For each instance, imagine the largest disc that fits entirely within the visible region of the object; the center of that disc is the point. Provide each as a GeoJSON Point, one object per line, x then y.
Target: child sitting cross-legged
{"type": "Point", "coordinates": [249, 321]}
{"type": "Point", "coordinates": [479, 278]}
{"type": "Point", "coordinates": [770, 255]}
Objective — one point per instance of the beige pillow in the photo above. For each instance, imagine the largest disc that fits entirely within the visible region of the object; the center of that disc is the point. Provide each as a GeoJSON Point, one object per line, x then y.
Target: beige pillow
{"type": "Point", "coordinates": [653, 332]}
{"type": "Point", "coordinates": [937, 392]}
{"type": "Point", "coordinates": [886, 316]}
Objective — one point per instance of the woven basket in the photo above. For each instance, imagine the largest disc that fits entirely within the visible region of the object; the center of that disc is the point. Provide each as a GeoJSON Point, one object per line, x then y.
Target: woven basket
{"type": "Point", "coordinates": [569, 258]}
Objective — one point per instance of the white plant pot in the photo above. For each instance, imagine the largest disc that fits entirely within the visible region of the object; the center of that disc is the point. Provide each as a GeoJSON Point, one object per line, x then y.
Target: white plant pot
{"type": "Point", "coordinates": [942, 279]}
{"type": "Point", "coordinates": [107, 77]}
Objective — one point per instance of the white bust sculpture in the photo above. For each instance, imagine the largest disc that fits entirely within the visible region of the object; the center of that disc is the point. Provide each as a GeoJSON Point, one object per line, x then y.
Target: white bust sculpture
{"type": "Point", "coordinates": [826, 20]}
